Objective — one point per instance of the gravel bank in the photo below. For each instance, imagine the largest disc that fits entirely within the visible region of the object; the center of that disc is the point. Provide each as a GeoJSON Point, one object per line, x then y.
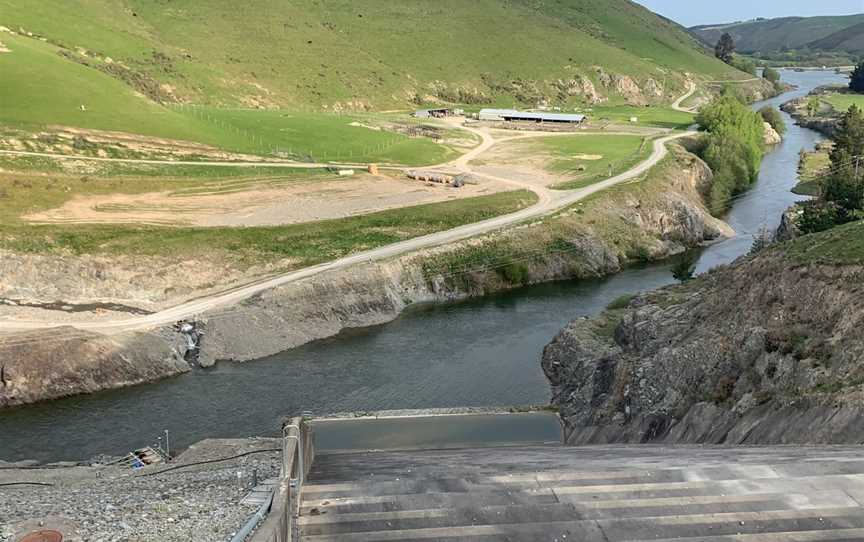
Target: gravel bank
{"type": "Point", "coordinates": [115, 504]}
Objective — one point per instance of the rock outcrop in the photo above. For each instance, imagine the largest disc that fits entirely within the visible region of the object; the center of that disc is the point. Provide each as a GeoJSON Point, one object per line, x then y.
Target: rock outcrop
{"type": "Point", "coordinates": [65, 361]}
{"type": "Point", "coordinates": [770, 135]}
{"type": "Point", "coordinates": [767, 350]}
{"type": "Point", "coordinates": [580, 86]}
{"type": "Point", "coordinates": [825, 124]}
{"type": "Point", "coordinates": [788, 228]}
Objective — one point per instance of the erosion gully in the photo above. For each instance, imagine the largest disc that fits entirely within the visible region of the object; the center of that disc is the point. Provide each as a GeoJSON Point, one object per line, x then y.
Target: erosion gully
{"type": "Point", "coordinates": [482, 352]}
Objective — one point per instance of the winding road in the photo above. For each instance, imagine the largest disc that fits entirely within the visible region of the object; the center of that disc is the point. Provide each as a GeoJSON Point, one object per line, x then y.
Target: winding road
{"type": "Point", "coordinates": [548, 202]}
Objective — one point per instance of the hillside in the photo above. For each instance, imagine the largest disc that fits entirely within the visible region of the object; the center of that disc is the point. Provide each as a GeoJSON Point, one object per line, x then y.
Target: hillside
{"type": "Point", "coordinates": [776, 35]}
{"type": "Point", "coordinates": [765, 350]}
{"type": "Point", "coordinates": [849, 39]}
{"type": "Point", "coordinates": [339, 55]}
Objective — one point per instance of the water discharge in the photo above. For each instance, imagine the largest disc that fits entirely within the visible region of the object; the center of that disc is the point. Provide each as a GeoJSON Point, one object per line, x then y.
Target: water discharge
{"type": "Point", "coordinates": [482, 352]}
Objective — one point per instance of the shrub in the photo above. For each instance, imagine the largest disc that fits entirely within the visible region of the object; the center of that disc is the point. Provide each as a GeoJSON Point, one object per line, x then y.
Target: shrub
{"type": "Point", "coordinates": [621, 302]}
{"type": "Point", "coordinates": [734, 148]}
{"type": "Point", "coordinates": [818, 216]}
{"type": "Point", "coordinates": [515, 273]}
{"type": "Point", "coordinates": [773, 117]}
{"type": "Point", "coordinates": [772, 75]}
{"type": "Point", "coordinates": [744, 64]}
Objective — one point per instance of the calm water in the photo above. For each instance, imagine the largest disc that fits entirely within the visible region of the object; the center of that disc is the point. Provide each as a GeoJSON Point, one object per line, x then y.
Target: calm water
{"type": "Point", "coordinates": [477, 353]}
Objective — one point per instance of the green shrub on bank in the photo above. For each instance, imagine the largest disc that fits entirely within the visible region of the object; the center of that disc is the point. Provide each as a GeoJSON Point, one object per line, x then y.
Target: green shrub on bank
{"type": "Point", "coordinates": [773, 117]}
{"type": "Point", "coordinates": [733, 149]}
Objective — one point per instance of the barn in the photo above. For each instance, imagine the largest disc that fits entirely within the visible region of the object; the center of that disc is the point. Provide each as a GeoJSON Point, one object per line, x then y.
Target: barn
{"type": "Point", "coordinates": [512, 115]}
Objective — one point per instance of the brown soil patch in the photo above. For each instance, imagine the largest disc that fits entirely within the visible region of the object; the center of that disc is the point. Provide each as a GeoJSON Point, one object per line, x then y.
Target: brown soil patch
{"type": "Point", "coordinates": [259, 206]}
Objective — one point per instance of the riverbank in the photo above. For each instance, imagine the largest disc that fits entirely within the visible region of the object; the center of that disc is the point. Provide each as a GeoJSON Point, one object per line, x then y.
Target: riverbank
{"type": "Point", "coordinates": [657, 216]}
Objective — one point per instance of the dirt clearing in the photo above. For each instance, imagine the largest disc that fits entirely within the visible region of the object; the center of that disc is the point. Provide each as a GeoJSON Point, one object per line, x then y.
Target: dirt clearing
{"type": "Point", "coordinates": [294, 203]}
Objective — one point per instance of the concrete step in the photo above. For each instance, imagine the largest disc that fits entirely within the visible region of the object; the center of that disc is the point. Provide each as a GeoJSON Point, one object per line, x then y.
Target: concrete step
{"type": "Point", "coordinates": [835, 535]}
{"type": "Point", "coordinates": [469, 481]}
{"type": "Point", "coordinates": [327, 523]}
{"type": "Point", "coordinates": [622, 489]}
{"type": "Point", "coordinates": [830, 522]}
{"type": "Point", "coordinates": [427, 501]}
{"type": "Point", "coordinates": [609, 494]}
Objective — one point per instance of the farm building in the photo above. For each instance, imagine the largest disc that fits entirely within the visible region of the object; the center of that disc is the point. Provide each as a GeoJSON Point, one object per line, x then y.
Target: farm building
{"type": "Point", "coordinates": [514, 115]}
{"type": "Point", "coordinates": [436, 113]}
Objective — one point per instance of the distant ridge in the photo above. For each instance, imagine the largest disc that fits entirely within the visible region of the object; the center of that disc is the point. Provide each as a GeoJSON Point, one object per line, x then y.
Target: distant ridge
{"type": "Point", "coordinates": [831, 33]}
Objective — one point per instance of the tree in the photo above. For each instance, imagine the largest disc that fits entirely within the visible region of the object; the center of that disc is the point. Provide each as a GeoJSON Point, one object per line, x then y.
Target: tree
{"type": "Point", "coordinates": [844, 187]}
{"type": "Point", "coordinates": [684, 265]}
{"type": "Point", "coordinates": [771, 74]}
{"type": "Point", "coordinates": [848, 136]}
{"type": "Point", "coordinates": [817, 216]}
{"type": "Point", "coordinates": [725, 49]}
{"type": "Point", "coordinates": [762, 240]}
{"type": "Point", "coordinates": [856, 81]}
{"type": "Point", "coordinates": [813, 106]}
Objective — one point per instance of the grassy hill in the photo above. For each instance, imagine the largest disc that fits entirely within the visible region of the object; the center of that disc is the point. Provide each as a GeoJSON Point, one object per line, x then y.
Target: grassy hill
{"type": "Point", "coordinates": [787, 33]}
{"type": "Point", "coordinates": [338, 54]}
{"type": "Point", "coordinates": [849, 39]}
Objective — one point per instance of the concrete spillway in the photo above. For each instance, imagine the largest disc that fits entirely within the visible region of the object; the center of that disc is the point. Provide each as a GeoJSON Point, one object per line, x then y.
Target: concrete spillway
{"type": "Point", "coordinates": [600, 493]}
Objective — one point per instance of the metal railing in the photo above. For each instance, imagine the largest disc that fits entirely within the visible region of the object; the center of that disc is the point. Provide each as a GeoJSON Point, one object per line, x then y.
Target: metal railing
{"type": "Point", "coordinates": [281, 524]}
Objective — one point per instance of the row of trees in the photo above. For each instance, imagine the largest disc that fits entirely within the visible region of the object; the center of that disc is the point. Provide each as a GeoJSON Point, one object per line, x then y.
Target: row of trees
{"type": "Point", "coordinates": [733, 149]}
{"type": "Point", "coordinates": [842, 196]}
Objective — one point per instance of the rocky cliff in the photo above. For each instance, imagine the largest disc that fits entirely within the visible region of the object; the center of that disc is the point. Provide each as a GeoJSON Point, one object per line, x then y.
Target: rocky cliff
{"type": "Point", "coordinates": [660, 215]}
{"type": "Point", "coordinates": [65, 361]}
{"type": "Point", "coordinates": [767, 350]}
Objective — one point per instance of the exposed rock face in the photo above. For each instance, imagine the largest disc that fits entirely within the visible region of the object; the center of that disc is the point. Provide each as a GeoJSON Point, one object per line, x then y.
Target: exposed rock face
{"type": "Point", "coordinates": [788, 228]}
{"type": "Point", "coordinates": [145, 282]}
{"type": "Point", "coordinates": [653, 88]}
{"type": "Point", "coordinates": [627, 87]}
{"type": "Point", "coordinates": [762, 351]}
{"type": "Point", "coordinates": [580, 86]}
{"type": "Point", "coordinates": [65, 361]}
{"type": "Point", "coordinates": [623, 85]}
{"type": "Point", "coordinates": [770, 135]}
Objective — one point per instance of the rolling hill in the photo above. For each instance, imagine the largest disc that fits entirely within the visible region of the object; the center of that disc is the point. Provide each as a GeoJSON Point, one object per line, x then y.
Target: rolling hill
{"type": "Point", "coordinates": [849, 39]}
{"type": "Point", "coordinates": [338, 54]}
{"type": "Point", "coordinates": [790, 33]}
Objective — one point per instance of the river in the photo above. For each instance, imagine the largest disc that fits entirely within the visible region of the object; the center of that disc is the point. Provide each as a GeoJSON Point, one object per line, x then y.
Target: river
{"type": "Point", "coordinates": [482, 352]}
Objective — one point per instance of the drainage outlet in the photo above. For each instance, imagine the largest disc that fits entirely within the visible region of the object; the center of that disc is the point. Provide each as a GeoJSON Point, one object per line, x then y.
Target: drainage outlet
{"type": "Point", "coordinates": [43, 536]}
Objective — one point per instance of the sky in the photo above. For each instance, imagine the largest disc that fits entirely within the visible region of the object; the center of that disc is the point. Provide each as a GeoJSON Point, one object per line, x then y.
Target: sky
{"type": "Point", "coordinates": [695, 12]}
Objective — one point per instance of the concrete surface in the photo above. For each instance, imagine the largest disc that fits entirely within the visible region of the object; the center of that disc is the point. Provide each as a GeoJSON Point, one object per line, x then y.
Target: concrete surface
{"type": "Point", "coordinates": [601, 493]}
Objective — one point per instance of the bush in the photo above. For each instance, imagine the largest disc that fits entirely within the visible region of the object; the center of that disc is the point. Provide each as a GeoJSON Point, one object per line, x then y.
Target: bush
{"type": "Point", "coordinates": [733, 150]}
{"type": "Point", "coordinates": [727, 117]}
{"type": "Point", "coordinates": [818, 216]}
{"type": "Point", "coordinates": [515, 273]}
{"type": "Point", "coordinates": [621, 302]}
{"type": "Point", "coordinates": [744, 64]}
{"type": "Point", "coordinates": [774, 118]}
{"type": "Point", "coordinates": [772, 75]}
